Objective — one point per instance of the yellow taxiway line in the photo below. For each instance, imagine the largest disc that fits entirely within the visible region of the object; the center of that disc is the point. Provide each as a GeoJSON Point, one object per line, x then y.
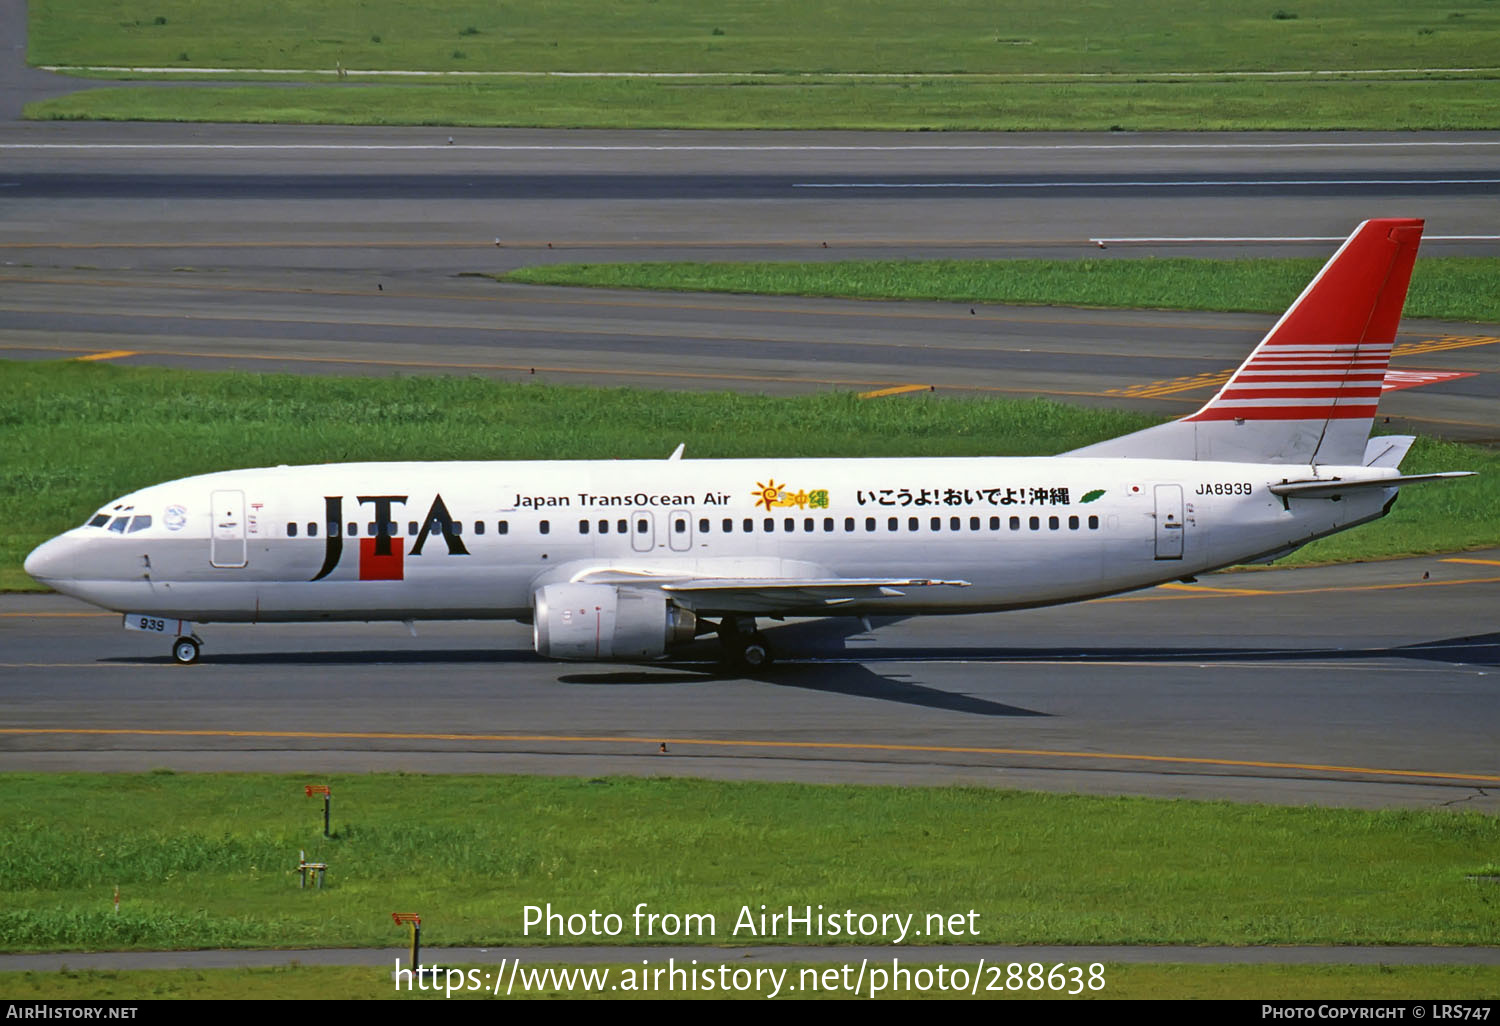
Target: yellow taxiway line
{"type": "Point", "coordinates": [108, 354]}
{"type": "Point", "coordinates": [896, 390]}
{"type": "Point", "coordinates": [1182, 591]}
{"type": "Point", "coordinates": [653, 742]}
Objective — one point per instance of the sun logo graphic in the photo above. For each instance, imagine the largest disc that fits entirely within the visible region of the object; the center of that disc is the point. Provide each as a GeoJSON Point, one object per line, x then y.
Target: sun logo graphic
{"type": "Point", "coordinates": [771, 495]}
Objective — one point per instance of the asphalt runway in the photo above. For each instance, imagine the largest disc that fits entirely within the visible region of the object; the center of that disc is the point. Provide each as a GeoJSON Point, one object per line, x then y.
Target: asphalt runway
{"type": "Point", "coordinates": [1366, 685]}
{"type": "Point", "coordinates": [346, 250]}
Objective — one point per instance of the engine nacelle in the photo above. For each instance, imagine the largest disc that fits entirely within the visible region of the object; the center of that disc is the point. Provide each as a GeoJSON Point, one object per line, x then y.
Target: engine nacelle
{"type": "Point", "coordinates": [601, 621]}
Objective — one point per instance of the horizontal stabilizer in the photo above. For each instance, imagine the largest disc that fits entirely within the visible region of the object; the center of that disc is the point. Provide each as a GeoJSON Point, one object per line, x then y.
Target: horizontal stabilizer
{"type": "Point", "coordinates": [1332, 488]}
{"type": "Point", "coordinates": [1387, 450]}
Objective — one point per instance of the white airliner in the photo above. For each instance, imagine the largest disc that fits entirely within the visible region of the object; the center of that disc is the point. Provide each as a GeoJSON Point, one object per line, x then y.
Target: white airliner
{"type": "Point", "coordinates": [623, 560]}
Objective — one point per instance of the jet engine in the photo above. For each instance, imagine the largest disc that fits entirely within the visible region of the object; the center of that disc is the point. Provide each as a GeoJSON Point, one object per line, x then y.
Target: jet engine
{"type": "Point", "coordinates": [601, 621]}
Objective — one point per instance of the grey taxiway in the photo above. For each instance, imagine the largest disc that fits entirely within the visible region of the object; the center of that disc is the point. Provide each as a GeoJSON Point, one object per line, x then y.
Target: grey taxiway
{"type": "Point", "coordinates": [333, 250]}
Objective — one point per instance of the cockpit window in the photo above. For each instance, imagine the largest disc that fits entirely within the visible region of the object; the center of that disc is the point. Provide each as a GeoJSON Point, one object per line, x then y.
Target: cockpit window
{"type": "Point", "coordinates": [99, 520]}
{"type": "Point", "coordinates": [118, 524]}
{"type": "Point", "coordinates": [139, 523]}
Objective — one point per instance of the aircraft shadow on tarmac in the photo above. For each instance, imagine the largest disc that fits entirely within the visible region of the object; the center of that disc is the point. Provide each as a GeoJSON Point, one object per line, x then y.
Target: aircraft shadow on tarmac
{"type": "Point", "coordinates": [818, 657]}
{"type": "Point", "coordinates": [1471, 650]}
{"type": "Point", "coordinates": [851, 679]}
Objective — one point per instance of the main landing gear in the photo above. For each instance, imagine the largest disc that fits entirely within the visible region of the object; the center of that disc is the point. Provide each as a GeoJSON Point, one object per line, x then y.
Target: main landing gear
{"type": "Point", "coordinates": [744, 647]}
{"type": "Point", "coordinates": [185, 649]}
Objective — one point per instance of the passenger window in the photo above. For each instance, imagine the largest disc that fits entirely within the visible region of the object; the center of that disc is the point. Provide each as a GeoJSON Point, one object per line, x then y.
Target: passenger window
{"type": "Point", "coordinates": [502, 527]}
{"type": "Point", "coordinates": [679, 525]}
{"type": "Point", "coordinates": [291, 529]}
{"type": "Point", "coordinates": [1072, 523]}
{"type": "Point", "coordinates": [370, 528]}
{"type": "Point", "coordinates": [869, 523]}
{"type": "Point", "coordinates": [809, 525]}
{"type": "Point", "coordinates": [974, 523]}
{"type": "Point", "coordinates": [749, 525]}
{"type": "Point", "coordinates": [545, 527]}
{"type": "Point", "coordinates": [911, 523]}
{"type": "Point", "coordinates": [728, 526]}
{"type": "Point", "coordinates": [954, 524]}
{"type": "Point", "coordinates": [620, 527]}
{"type": "Point", "coordinates": [583, 527]}
{"type": "Point", "coordinates": [411, 528]}
{"type": "Point", "coordinates": [604, 527]}
{"type": "Point", "coordinates": [1052, 523]}
{"type": "Point", "coordinates": [1036, 523]}
{"type": "Point", "coordinates": [827, 524]}
{"type": "Point", "coordinates": [1093, 523]}
{"type": "Point", "coordinates": [848, 523]}
{"type": "Point", "coordinates": [790, 524]}
{"type": "Point", "coordinates": [893, 524]}
{"type": "Point", "coordinates": [458, 527]}
{"type": "Point", "coordinates": [353, 529]}
{"type": "Point", "coordinates": [333, 527]}
{"type": "Point", "coordinates": [312, 528]}
{"type": "Point", "coordinates": [641, 526]}
{"type": "Point", "coordinates": [478, 527]}
{"type": "Point", "coordinates": [1015, 523]}
{"type": "Point", "coordinates": [703, 525]}
{"type": "Point", "coordinates": [937, 523]}
{"type": "Point", "coordinates": [770, 524]}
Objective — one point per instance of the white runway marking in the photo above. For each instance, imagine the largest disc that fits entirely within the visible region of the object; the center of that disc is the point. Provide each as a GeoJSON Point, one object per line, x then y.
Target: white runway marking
{"type": "Point", "coordinates": [1276, 238]}
{"type": "Point", "coordinates": [980, 76]}
{"type": "Point", "coordinates": [1201, 184]}
{"type": "Point", "coordinates": [750, 147]}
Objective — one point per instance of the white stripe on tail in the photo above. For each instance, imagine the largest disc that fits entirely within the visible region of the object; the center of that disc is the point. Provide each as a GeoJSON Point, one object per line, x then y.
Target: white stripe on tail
{"type": "Point", "coordinates": [1308, 393]}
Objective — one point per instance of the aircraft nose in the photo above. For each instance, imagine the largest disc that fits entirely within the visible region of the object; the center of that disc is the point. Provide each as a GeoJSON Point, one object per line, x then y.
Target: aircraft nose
{"type": "Point", "coordinates": [53, 560]}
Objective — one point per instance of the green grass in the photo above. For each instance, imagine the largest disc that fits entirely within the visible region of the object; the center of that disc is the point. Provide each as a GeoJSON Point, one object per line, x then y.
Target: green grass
{"type": "Point", "coordinates": [209, 862]}
{"type": "Point", "coordinates": [967, 36]}
{"type": "Point", "coordinates": [1132, 981]}
{"type": "Point", "coordinates": [916, 105]}
{"type": "Point", "coordinates": [80, 434]}
{"type": "Point", "coordinates": [1033, 64]}
{"type": "Point", "coordinates": [1451, 288]}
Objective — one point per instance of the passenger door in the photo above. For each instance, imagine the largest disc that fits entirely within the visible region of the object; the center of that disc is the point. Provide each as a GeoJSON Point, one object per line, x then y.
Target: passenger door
{"type": "Point", "coordinates": [643, 530]}
{"type": "Point", "coordinates": [227, 542]}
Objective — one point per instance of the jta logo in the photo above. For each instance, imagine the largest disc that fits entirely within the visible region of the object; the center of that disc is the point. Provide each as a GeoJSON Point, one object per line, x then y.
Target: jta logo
{"type": "Point", "coordinates": [381, 557]}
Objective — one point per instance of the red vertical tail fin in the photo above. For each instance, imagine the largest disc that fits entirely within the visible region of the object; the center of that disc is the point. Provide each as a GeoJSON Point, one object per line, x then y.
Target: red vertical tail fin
{"type": "Point", "coordinates": [1327, 356]}
{"type": "Point", "coordinates": [1309, 391]}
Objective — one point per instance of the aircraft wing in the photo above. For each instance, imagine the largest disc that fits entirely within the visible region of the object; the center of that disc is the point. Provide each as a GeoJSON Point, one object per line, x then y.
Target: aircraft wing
{"type": "Point", "coordinates": [768, 595]}
{"type": "Point", "coordinates": [814, 595]}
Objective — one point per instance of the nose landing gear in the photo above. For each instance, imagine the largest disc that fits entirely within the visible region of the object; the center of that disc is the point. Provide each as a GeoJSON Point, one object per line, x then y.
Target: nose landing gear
{"type": "Point", "coordinates": [185, 649]}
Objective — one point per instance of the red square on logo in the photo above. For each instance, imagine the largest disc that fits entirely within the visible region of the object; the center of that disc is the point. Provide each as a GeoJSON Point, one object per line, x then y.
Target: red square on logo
{"type": "Point", "coordinates": [379, 568]}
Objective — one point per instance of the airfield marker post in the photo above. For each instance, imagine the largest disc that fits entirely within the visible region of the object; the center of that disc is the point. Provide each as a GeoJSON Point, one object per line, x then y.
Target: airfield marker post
{"type": "Point", "coordinates": [327, 793]}
{"type": "Point", "coordinates": [415, 922]}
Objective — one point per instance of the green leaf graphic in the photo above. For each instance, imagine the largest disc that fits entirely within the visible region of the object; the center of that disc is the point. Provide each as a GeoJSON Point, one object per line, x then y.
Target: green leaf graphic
{"type": "Point", "coordinates": [1091, 496]}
